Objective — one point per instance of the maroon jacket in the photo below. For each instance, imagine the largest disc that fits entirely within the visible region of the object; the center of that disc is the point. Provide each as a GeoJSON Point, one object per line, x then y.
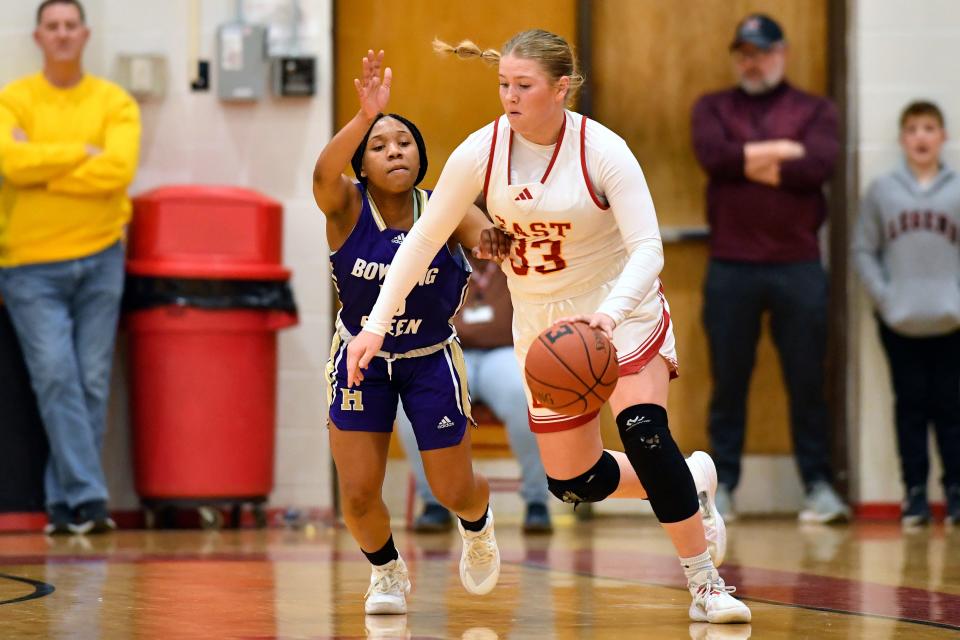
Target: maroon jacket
{"type": "Point", "coordinates": [752, 222]}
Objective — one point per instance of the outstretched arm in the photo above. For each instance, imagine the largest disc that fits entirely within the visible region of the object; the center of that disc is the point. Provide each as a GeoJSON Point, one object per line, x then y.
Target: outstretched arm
{"type": "Point", "coordinates": [331, 189]}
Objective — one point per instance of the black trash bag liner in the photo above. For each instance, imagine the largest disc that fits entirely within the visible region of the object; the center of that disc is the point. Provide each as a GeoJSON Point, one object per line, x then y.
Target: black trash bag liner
{"type": "Point", "coordinates": [143, 292]}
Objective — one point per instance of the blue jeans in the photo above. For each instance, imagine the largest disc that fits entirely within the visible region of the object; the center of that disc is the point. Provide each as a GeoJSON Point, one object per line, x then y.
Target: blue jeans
{"type": "Point", "coordinates": [65, 315]}
{"type": "Point", "coordinates": [494, 379]}
{"type": "Point", "coordinates": [736, 297]}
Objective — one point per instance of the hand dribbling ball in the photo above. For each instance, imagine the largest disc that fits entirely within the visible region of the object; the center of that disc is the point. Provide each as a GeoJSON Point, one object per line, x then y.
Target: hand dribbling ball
{"type": "Point", "coordinates": [572, 368]}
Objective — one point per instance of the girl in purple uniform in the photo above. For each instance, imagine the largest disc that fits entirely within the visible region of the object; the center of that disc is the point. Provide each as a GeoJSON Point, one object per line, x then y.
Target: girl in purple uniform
{"type": "Point", "coordinates": [420, 364]}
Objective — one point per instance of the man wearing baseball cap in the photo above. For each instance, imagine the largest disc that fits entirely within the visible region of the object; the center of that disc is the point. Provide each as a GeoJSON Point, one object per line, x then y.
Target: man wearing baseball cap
{"type": "Point", "coordinates": [759, 30]}
{"type": "Point", "coordinates": [768, 149]}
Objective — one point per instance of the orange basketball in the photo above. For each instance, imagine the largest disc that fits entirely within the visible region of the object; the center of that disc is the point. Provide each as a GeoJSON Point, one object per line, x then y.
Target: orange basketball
{"type": "Point", "coordinates": [571, 368]}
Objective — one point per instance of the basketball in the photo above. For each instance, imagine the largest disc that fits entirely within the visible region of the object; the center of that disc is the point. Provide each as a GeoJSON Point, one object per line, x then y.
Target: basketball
{"type": "Point", "coordinates": [571, 368]}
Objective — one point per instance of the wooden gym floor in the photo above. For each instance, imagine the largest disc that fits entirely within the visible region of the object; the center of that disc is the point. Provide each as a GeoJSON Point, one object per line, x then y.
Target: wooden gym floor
{"type": "Point", "coordinates": [606, 578]}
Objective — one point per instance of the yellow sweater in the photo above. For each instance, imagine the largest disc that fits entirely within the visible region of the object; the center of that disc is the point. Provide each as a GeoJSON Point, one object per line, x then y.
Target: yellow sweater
{"type": "Point", "coordinates": [57, 201]}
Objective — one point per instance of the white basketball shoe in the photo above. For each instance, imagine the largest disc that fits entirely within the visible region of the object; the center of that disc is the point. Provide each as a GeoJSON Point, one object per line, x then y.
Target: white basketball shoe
{"type": "Point", "coordinates": [389, 586]}
{"type": "Point", "coordinates": [705, 479]}
{"type": "Point", "coordinates": [712, 601]}
{"type": "Point", "coordinates": [480, 559]}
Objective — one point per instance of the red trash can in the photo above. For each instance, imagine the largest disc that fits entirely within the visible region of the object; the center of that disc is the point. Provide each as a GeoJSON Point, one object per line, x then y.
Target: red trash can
{"type": "Point", "coordinates": [202, 315]}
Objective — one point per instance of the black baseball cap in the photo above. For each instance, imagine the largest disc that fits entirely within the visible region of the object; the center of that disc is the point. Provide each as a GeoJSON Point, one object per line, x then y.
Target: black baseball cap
{"type": "Point", "coordinates": [757, 29]}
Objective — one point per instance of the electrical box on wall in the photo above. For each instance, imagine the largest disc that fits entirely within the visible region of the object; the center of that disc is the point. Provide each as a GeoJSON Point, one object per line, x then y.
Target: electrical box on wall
{"type": "Point", "coordinates": [294, 76]}
{"type": "Point", "coordinates": [242, 64]}
{"type": "Point", "coordinates": [144, 76]}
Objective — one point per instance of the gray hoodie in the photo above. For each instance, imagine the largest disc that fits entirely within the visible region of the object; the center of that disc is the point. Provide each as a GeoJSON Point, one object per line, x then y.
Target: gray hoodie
{"type": "Point", "coordinates": [906, 247]}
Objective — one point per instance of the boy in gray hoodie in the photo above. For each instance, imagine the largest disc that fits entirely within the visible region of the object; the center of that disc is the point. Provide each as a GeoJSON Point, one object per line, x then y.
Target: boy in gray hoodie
{"type": "Point", "coordinates": [907, 250]}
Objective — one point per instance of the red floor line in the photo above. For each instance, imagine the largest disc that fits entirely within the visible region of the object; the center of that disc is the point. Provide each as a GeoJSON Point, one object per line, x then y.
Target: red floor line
{"type": "Point", "coordinates": [784, 587]}
{"type": "Point", "coordinates": [780, 587]}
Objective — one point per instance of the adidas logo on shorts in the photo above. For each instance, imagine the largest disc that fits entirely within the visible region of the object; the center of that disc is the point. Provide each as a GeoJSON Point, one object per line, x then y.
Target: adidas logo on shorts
{"type": "Point", "coordinates": [446, 422]}
{"type": "Point", "coordinates": [398, 239]}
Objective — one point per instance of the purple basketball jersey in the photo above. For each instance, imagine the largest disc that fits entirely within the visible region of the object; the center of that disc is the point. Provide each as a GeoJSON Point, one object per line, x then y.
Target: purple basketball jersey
{"type": "Point", "coordinates": [360, 266]}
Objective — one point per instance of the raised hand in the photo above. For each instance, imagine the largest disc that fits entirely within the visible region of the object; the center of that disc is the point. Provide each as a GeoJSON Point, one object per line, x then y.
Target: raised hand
{"type": "Point", "coordinates": [372, 91]}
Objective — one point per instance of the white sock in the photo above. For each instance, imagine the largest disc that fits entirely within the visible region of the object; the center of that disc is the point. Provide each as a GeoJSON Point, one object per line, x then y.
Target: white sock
{"type": "Point", "coordinates": [698, 569]}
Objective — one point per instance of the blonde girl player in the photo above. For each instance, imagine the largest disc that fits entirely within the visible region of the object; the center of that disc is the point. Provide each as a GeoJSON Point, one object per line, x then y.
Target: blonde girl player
{"type": "Point", "coordinates": [586, 246]}
{"type": "Point", "coordinates": [420, 363]}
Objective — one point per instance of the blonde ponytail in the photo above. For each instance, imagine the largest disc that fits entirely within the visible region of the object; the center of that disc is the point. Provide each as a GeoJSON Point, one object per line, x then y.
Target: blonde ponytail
{"type": "Point", "coordinates": [553, 52]}
{"type": "Point", "coordinates": [466, 49]}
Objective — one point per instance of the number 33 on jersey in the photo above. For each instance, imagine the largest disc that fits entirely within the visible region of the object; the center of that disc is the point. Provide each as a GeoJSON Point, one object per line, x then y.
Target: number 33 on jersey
{"type": "Point", "coordinates": [561, 226]}
{"type": "Point", "coordinates": [544, 238]}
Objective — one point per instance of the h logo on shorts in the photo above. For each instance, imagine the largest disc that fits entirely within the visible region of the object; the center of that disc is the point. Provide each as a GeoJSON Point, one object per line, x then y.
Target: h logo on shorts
{"type": "Point", "coordinates": [352, 400]}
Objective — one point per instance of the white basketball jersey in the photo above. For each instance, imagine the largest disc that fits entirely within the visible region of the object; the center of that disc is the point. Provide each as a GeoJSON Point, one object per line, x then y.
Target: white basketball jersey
{"type": "Point", "coordinates": [566, 238]}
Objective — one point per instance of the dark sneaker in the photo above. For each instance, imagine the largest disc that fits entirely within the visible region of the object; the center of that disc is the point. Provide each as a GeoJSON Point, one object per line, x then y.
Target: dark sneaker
{"type": "Point", "coordinates": [93, 517]}
{"type": "Point", "coordinates": [953, 505]}
{"type": "Point", "coordinates": [915, 511]}
{"type": "Point", "coordinates": [58, 516]}
{"type": "Point", "coordinates": [433, 519]}
{"type": "Point", "coordinates": [537, 519]}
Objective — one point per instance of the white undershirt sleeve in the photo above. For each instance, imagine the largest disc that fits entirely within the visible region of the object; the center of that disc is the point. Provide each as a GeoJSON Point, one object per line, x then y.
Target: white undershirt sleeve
{"type": "Point", "coordinates": [459, 185]}
{"type": "Point", "coordinates": [617, 176]}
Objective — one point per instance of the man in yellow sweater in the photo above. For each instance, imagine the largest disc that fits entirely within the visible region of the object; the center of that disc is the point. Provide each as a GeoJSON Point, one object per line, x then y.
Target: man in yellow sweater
{"type": "Point", "coordinates": [68, 150]}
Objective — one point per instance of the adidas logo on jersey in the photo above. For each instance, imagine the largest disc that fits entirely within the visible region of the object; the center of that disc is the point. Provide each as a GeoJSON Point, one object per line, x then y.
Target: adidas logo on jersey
{"type": "Point", "coordinates": [445, 423]}
{"type": "Point", "coordinates": [524, 195]}
{"type": "Point", "coordinates": [398, 239]}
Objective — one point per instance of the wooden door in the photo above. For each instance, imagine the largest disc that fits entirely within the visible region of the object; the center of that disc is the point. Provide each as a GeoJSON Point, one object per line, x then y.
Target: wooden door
{"type": "Point", "coordinates": [651, 60]}
{"type": "Point", "coordinates": [445, 97]}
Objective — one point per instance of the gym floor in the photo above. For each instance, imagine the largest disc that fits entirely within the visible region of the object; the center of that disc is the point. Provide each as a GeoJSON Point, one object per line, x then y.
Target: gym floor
{"type": "Point", "coordinates": [610, 577]}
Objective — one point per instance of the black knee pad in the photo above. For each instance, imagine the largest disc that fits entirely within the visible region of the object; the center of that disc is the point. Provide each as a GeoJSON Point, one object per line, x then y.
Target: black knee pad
{"type": "Point", "coordinates": [655, 457]}
{"type": "Point", "coordinates": [594, 485]}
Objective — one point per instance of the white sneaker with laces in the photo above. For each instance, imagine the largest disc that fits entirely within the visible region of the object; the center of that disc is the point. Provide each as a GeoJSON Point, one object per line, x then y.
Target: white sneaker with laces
{"type": "Point", "coordinates": [705, 478]}
{"type": "Point", "coordinates": [480, 559]}
{"type": "Point", "coordinates": [712, 602]}
{"type": "Point", "coordinates": [389, 586]}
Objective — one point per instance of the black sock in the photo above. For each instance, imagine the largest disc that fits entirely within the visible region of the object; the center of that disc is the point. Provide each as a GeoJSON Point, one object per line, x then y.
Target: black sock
{"type": "Point", "coordinates": [476, 525]}
{"type": "Point", "coordinates": [384, 554]}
